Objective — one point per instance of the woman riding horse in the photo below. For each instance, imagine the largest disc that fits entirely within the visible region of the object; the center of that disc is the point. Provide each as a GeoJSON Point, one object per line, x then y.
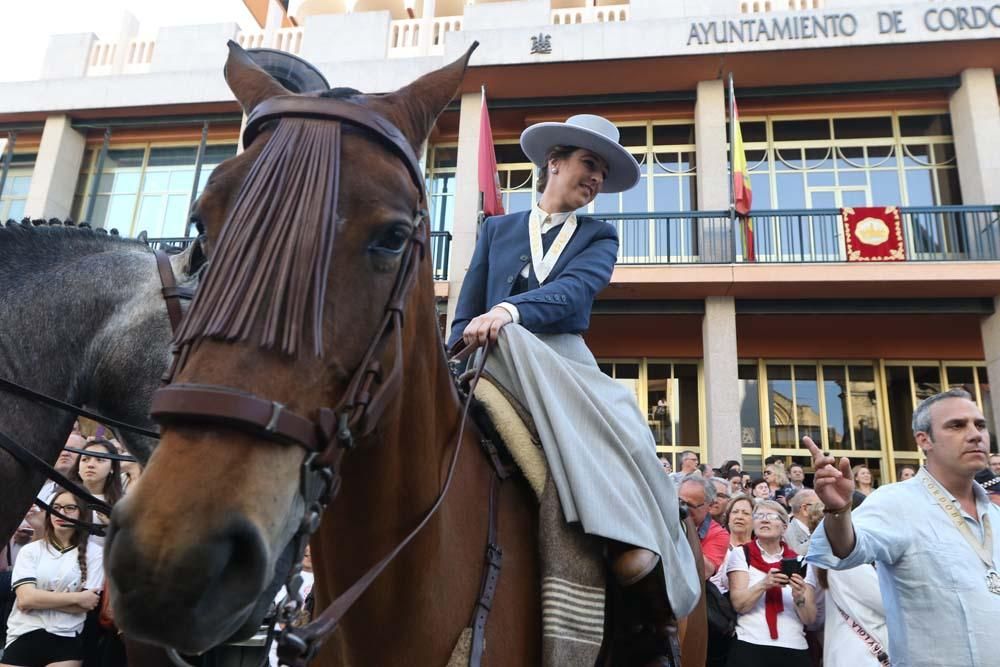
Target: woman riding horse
{"type": "Point", "coordinates": [530, 288]}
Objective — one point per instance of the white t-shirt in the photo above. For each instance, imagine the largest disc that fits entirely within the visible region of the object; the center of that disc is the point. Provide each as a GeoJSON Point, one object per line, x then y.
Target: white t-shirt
{"type": "Point", "coordinates": [857, 592]}
{"type": "Point", "coordinates": [752, 626]}
{"type": "Point", "coordinates": [43, 565]}
{"type": "Point", "coordinates": [721, 576]}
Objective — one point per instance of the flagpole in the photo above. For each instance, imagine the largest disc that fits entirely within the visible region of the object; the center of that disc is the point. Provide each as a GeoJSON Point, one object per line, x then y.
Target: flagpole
{"type": "Point", "coordinates": [732, 162]}
{"type": "Point", "coordinates": [481, 215]}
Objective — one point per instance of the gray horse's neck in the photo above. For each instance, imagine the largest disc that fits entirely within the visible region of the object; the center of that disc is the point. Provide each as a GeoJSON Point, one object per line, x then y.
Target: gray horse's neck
{"type": "Point", "coordinates": [83, 322]}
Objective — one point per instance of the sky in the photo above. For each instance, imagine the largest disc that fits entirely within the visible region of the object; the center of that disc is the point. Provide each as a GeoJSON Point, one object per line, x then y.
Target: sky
{"type": "Point", "coordinates": [26, 26]}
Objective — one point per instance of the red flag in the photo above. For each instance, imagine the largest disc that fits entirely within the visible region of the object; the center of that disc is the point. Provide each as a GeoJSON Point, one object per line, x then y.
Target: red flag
{"type": "Point", "coordinates": [489, 179]}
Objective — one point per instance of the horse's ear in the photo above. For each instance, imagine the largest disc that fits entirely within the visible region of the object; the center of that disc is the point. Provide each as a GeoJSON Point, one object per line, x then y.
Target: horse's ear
{"type": "Point", "coordinates": [143, 236]}
{"type": "Point", "coordinates": [250, 84]}
{"type": "Point", "coordinates": [416, 107]}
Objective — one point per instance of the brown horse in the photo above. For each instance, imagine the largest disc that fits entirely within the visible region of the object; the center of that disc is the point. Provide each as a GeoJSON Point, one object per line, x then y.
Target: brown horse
{"type": "Point", "coordinates": [193, 547]}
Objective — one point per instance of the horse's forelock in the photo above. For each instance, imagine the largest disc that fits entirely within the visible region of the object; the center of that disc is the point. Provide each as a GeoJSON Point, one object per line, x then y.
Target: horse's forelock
{"type": "Point", "coordinates": [273, 254]}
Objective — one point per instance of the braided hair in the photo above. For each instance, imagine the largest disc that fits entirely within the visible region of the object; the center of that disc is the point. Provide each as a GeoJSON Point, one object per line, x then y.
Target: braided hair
{"type": "Point", "coordinates": [80, 536]}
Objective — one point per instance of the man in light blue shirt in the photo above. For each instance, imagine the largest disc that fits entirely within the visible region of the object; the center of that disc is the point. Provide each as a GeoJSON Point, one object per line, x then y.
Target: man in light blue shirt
{"type": "Point", "coordinates": [931, 538]}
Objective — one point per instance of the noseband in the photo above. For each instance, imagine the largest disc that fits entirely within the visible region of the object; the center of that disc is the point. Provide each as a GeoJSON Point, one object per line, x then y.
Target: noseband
{"type": "Point", "coordinates": [368, 393]}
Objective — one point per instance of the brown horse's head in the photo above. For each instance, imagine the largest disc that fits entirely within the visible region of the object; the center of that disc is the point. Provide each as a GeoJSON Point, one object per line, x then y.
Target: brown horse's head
{"type": "Point", "coordinates": [305, 254]}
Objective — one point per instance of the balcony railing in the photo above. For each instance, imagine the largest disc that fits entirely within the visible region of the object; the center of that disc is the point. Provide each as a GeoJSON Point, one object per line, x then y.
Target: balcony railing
{"type": "Point", "coordinates": [935, 233]}
{"type": "Point", "coordinates": [416, 37]}
{"type": "Point", "coordinates": [601, 14]}
{"type": "Point", "coordinates": [440, 249]}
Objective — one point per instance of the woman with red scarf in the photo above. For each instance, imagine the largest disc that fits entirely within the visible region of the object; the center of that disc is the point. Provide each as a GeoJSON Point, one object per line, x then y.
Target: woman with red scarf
{"type": "Point", "coordinates": [771, 607]}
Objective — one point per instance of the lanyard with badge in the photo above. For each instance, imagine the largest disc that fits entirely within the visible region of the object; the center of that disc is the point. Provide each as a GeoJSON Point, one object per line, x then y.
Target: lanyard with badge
{"type": "Point", "coordinates": [543, 264]}
{"type": "Point", "coordinates": [983, 549]}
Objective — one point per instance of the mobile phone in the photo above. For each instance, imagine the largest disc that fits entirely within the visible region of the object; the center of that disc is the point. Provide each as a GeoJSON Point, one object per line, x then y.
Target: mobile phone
{"type": "Point", "coordinates": [790, 566]}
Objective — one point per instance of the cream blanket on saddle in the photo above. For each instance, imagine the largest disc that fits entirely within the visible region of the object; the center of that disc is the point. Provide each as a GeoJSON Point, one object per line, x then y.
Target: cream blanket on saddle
{"type": "Point", "coordinates": [573, 574]}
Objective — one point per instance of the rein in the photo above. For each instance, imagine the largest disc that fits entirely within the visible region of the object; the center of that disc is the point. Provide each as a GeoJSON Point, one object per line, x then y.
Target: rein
{"type": "Point", "coordinates": [172, 296]}
{"type": "Point", "coordinates": [327, 438]}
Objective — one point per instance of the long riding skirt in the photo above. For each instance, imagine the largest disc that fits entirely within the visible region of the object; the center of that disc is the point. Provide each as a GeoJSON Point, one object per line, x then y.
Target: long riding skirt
{"type": "Point", "coordinates": [599, 448]}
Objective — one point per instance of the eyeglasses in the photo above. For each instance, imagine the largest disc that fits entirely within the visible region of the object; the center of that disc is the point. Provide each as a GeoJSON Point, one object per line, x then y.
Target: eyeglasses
{"type": "Point", "coordinates": [66, 508]}
{"type": "Point", "coordinates": [692, 507]}
{"type": "Point", "coordinates": [767, 516]}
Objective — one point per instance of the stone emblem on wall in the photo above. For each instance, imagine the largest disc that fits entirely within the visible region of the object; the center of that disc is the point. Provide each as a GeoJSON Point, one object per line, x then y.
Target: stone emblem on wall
{"type": "Point", "coordinates": [541, 43]}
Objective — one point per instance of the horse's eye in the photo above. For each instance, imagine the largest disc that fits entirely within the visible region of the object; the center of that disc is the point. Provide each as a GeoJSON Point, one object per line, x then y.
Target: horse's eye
{"type": "Point", "coordinates": [393, 241]}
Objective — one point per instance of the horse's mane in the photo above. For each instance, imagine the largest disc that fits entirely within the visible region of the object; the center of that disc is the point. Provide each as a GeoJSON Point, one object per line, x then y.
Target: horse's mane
{"type": "Point", "coordinates": [30, 245]}
{"type": "Point", "coordinates": [273, 254]}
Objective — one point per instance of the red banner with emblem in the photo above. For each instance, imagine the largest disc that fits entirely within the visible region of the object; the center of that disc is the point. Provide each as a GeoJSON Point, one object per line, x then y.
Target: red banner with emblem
{"type": "Point", "coordinates": [873, 234]}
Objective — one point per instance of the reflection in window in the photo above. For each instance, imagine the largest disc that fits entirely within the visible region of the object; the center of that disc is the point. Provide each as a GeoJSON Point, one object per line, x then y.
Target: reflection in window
{"type": "Point", "coordinates": [670, 399]}
{"type": "Point", "coordinates": [146, 189]}
{"type": "Point", "coordinates": [16, 187]}
{"type": "Point", "coordinates": [750, 436]}
{"type": "Point", "coordinates": [900, 402]}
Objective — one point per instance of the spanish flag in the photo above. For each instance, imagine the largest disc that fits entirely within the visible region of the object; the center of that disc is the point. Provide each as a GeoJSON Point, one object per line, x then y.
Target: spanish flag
{"type": "Point", "coordinates": [742, 194]}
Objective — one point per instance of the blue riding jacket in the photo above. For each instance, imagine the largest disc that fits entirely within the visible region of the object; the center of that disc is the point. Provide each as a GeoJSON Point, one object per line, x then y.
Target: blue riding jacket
{"type": "Point", "coordinates": [563, 303]}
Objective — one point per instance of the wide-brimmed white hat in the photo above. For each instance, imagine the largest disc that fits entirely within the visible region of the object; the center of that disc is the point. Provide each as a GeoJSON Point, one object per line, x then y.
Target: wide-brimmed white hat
{"type": "Point", "coordinates": [598, 135]}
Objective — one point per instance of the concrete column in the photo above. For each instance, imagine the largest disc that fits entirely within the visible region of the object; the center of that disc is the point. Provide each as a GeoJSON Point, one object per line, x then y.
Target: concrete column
{"type": "Point", "coordinates": [712, 170]}
{"type": "Point", "coordinates": [56, 170]}
{"type": "Point", "coordinates": [975, 120]}
{"type": "Point", "coordinates": [722, 399]}
{"type": "Point", "coordinates": [990, 331]}
{"type": "Point", "coordinates": [463, 233]}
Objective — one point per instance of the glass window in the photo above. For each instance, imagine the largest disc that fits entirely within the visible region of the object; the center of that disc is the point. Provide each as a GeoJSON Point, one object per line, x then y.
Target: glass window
{"type": "Point", "coordinates": [875, 160]}
{"type": "Point", "coordinates": [864, 408]}
{"type": "Point", "coordinates": [835, 392]}
{"type": "Point", "coordinates": [781, 406]}
{"type": "Point", "coordinates": [807, 403]}
{"type": "Point", "coordinates": [862, 128]}
{"type": "Point", "coordinates": [749, 406]}
{"type": "Point", "coordinates": [14, 196]}
{"type": "Point", "coordinates": [668, 394]}
{"type": "Point", "coordinates": [147, 189]}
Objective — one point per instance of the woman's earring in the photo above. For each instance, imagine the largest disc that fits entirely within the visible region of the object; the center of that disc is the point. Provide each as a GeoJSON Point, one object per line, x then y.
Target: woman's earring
{"type": "Point", "coordinates": [555, 171]}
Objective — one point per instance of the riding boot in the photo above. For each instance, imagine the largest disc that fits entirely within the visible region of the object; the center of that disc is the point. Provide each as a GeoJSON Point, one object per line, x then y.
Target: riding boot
{"type": "Point", "coordinates": [652, 624]}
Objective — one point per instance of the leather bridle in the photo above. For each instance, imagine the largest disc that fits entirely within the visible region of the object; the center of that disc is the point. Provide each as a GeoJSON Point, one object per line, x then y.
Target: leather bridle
{"type": "Point", "coordinates": [331, 433]}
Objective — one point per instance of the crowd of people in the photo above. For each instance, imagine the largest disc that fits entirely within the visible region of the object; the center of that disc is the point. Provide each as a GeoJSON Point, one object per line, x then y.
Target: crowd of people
{"type": "Point", "coordinates": [801, 583]}
{"type": "Point", "coordinates": [52, 570]}
{"type": "Point", "coordinates": [52, 588]}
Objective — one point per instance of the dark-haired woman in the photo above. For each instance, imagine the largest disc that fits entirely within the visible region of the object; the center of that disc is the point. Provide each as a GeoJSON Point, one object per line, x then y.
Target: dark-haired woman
{"type": "Point", "coordinates": [56, 581]}
{"type": "Point", "coordinates": [530, 288]}
{"type": "Point", "coordinates": [101, 476]}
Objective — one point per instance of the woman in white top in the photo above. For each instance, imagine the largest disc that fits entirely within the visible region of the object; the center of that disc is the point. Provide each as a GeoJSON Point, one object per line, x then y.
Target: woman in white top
{"type": "Point", "coordinates": [55, 580]}
{"type": "Point", "coordinates": [771, 607]}
{"type": "Point", "coordinates": [855, 633]}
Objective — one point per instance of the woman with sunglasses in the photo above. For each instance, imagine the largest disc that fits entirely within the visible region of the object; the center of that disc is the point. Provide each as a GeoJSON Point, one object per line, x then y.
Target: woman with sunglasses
{"type": "Point", "coordinates": [771, 606]}
{"type": "Point", "coordinates": [55, 580]}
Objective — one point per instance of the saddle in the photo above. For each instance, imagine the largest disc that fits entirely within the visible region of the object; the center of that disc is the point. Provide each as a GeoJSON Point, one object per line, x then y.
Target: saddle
{"type": "Point", "coordinates": [579, 610]}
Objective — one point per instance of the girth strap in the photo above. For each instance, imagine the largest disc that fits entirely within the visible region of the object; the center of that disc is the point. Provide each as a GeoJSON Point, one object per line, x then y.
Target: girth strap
{"type": "Point", "coordinates": [491, 576]}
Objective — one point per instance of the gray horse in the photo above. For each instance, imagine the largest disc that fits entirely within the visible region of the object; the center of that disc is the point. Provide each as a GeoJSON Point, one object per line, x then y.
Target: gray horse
{"type": "Point", "coordinates": [83, 320]}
